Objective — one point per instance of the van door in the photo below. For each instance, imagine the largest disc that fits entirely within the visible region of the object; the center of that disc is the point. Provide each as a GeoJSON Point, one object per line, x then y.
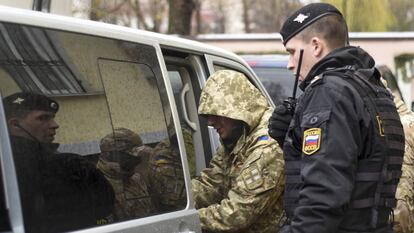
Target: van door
{"type": "Point", "coordinates": [102, 86]}
{"type": "Point", "coordinates": [187, 75]}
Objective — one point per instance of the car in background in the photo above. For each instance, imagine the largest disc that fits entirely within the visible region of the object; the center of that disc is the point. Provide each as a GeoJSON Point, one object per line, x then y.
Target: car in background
{"type": "Point", "coordinates": [274, 75]}
{"type": "Point", "coordinates": [279, 81]}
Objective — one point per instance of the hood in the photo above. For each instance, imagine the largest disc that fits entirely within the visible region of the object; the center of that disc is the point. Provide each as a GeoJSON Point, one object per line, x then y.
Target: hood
{"type": "Point", "coordinates": [345, 56]}
{"type": "Point", "coordinates": [229, 94]}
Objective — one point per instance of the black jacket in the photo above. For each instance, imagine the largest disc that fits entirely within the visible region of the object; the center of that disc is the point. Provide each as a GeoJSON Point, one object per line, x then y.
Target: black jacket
{"type": "Point", "coordinates": [330, 136]}
{"type": "Point", "coordinates": [58, 192]}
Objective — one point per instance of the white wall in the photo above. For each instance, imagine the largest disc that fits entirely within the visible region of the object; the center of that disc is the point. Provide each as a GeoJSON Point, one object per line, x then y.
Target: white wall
{"type": "Point", "coordinates": [25, 4]}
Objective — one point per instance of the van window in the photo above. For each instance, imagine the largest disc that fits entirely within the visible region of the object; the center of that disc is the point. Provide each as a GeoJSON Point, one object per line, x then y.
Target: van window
{"type": "Point", "coordinates": [4, 218]}
{"type": "Point", "coordinates": [110, 152]}
{"type": "Point", "coordinates": [186, 86]}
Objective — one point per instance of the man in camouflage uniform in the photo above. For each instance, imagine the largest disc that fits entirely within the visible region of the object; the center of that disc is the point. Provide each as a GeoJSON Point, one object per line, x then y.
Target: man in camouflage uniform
{"type": "Point", "coordinates": [166, 176]}
{"type": "Point", "coordinates": [121, 152]}
{"type": "Point", "coordinates": [404, 211]}
{"type": "Point", "coordinates": [166, 173]}
{"type": "Point", "coordinates": [241, 189]}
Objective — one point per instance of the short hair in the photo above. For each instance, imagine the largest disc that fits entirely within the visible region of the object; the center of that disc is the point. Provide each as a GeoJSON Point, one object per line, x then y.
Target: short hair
{"type": "Point", "coordinates": [332, 28]}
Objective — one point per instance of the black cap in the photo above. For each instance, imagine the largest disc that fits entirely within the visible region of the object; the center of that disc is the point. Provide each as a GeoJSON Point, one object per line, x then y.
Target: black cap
{"type": "Point", "coordinates": [26, 101]}
{"type": "Point", "coordinates": [304, 17]}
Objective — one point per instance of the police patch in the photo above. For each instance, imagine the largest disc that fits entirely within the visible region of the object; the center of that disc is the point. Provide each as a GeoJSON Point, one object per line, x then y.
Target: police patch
{"type": "Point", "coordinates": [311, 140]}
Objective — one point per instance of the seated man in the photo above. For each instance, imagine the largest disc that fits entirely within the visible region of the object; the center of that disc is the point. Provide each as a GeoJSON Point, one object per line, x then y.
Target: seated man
{"type": "Point", "coordinates": [241, 190]}
{"type": "Point", "coordinates": [58, 192]}
{"type": "Point", "coordinates": [121, 152]}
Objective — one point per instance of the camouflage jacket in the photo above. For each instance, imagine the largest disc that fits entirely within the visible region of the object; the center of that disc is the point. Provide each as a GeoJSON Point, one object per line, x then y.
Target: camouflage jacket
{"type": "Point", "coordinates": [404, 212]}
{"type": "Point", "coordinates": [132, 199]}
{"type": "Point", "coordinates": [166, 177]}
{"type": "Point", "coordinates": [241, 190]}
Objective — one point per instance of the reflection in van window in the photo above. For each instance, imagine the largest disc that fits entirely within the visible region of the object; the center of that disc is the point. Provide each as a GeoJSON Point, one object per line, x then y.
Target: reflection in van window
{"type": "Point", "coordinates": [64, 114]}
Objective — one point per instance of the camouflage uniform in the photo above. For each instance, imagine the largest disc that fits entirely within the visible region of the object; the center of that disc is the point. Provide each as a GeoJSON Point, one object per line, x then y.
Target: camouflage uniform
{"type": "Point", "coordinates": [404, 212]}
{"type": "Point", "coordinates": [241, 190]}
{"type": "Point", "coordinates": [131, 190]}
{"type": "Point", "coordinates": [167, 177]}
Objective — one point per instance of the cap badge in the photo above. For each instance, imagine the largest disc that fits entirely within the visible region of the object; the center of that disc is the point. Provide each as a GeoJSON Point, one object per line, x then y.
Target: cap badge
{"type": "Point", "coordinates": [53, 105]}
{"type": "Point", "coordinates": [18, 100]}
{"type": "Point", "coordinates": [300, 18]}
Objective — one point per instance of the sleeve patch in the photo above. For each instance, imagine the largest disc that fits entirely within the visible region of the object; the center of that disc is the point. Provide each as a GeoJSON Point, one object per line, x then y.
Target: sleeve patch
{"type": "Point", "coordinates": [311, 140]}
{"type": "Point", "coordinates": [252, 177]}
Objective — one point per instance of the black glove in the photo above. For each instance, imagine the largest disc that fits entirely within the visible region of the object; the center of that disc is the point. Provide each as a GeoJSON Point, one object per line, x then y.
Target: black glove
{"type": "Point", "coordinates": [279, 123]}
{"type": "Point", "coordinates": [285, 229]}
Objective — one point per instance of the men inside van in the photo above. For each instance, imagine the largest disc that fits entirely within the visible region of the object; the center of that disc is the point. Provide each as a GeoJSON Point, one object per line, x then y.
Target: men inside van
{"type": "Point", "coordinates": [121, 152]}
{"type": "Point", "coordinates": [58, 192]}
{"type": "Point", "coordinates": [241, 189]}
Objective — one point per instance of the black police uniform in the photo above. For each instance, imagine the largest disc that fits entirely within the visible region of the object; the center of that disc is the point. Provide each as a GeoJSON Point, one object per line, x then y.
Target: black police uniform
{"type": "Point", "coordinates": [343, 149]}
{"type": "Point", "coordinates": [58, 192]}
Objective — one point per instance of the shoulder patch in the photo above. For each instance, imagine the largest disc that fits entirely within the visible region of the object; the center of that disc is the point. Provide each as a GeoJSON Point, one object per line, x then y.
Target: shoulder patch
{"type": "Point", "coordinates": [311, 140]}
{"type": "Point", "coordinates": [263, 138]}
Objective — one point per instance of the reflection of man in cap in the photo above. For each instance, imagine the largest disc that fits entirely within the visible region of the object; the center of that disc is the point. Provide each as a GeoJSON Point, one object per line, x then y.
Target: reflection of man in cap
{"type": "Point", "coordinates": [31, 116]}
{"type": "Point", "coordinates": [58, 192]}
{"type": "Point", "coordinates": [343, 147]}
{"type": "Point", "coordinates": [121, 152]}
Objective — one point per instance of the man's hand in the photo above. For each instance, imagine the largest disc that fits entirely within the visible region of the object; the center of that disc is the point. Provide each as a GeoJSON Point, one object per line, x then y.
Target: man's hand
{"type": "Point", "coordinates": [279, 123]}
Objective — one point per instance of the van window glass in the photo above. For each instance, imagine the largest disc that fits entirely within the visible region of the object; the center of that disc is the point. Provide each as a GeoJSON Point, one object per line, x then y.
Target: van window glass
{"type": "Point", "coordinates": [185, 74]}
{"type": "Point", "coordinates": [102, 154]}
{"type": "Point", "coordinates": [175, 75]}
{"type": "Point", "coordinates": [4, 218]}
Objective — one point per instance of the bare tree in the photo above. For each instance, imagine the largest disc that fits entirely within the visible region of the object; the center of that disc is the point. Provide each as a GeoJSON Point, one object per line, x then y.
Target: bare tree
{"type": "Point", "coordinates": [197, 10]}
{"type": "Point", "coordinates": [144, 14]}
{"type": "Point", "coordinates": [267, 15]}
{"type": "Point", "coordinates": [246, 16]}
{"type": "Point", "coordinates": [100, 10]}
{"type": "Point", "coordinates": [180, 15]}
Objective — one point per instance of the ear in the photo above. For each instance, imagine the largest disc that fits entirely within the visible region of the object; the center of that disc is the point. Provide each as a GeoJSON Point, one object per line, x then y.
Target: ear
{"type": "Point", "coordinates": [13, 122]}
{"type": "Point", "coordinates": [318, 47]}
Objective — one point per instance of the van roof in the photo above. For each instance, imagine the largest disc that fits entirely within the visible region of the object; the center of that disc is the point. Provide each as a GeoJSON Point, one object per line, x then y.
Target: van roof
{"type": "Point", "coordinates": [65, 23]}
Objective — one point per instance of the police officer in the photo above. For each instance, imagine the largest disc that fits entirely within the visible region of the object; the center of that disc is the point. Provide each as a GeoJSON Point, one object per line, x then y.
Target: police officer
{"type": "Point", "coordinates": [121, 152]}
{"type": "Point", "coordinates": [344, 144]}
{"type": "Point", "coordinates": [58, 192]}
{"type": "Point", "coordinates": [241, 189]}
{"type": "Point", "coordinates": [404, 211]}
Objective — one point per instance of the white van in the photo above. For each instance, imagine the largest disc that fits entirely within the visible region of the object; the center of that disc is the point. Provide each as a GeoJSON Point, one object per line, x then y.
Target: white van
{"type": "Point", "coordinates": [105, 77]}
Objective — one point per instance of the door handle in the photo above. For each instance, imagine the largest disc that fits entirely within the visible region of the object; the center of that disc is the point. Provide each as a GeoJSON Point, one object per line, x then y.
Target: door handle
{"type": "Point", "coordinates": [184, 91]}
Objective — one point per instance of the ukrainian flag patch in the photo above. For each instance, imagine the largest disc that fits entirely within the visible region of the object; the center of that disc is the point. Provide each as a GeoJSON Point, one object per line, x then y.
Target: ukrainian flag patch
{"type": "Point", "coordinates": [264, 137]}
{"type": "Point", "coordinates": [311, 140]}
